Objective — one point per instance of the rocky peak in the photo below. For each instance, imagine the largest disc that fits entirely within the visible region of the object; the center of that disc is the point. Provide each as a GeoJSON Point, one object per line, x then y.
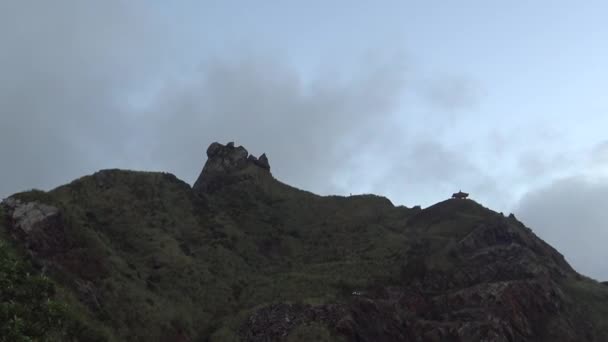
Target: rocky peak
{"type": "Point", "coordinates": [228, 162]}
{"type": "Point", "coordinates": [225, 158]}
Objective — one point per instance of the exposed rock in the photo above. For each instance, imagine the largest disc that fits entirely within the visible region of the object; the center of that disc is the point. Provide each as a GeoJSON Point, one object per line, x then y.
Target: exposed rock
{"type": "Point", "coordinates": [214, 149]}
{"type": "Point", "coordinates": [263, 162]}
{"type": "Point", "coordinates": [41, 229]}
{"type": "Point", "coordinates": [227, 164]}
{"type": "Point", "coordinates": [503, 311]}
{"type": "Point", "coordinates": [225, 158]}
{"type": "Point", "coordinates": [276, 321]}
{"type": "Point", "coordinates": [28, 216]}
{"type": "Point", "coordinates": [38, 225]}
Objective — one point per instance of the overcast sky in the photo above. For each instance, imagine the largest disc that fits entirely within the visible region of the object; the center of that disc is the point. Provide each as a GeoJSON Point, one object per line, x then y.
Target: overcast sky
{"type": "Point", "coordinates": [408, 99]}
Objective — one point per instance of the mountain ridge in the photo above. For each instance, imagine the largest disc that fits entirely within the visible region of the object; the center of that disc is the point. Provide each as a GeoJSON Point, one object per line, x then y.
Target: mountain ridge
{"type": "Point", "coordinates": [242, 256]}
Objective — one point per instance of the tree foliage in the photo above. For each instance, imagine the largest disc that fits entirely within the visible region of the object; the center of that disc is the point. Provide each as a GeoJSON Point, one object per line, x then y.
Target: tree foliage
{"type": "Point", "coordinates": [28, 311]}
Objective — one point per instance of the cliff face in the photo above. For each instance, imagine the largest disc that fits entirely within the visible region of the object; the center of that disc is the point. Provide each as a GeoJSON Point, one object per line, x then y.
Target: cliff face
{"type": "Point", "coordinates": [228, 164]}
{"type": "Point", "coordinates": [242, 256]}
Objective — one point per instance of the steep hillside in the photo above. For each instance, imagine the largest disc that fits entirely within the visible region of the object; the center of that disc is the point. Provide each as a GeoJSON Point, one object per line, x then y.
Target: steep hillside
{"type": "Point", "coordinates": [240, 256]}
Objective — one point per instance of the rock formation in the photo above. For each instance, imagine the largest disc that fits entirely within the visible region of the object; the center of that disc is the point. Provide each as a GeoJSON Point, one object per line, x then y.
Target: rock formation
{"type": "Point", "coordinates": [37, 225]}
{"type": "Point", "coordinates": [28, 217]}
{"type": "Point", "coordinates": [228, 164]}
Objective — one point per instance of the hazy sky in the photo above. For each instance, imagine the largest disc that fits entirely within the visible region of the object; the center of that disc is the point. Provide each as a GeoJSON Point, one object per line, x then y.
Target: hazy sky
{"type": "Point", "coordinates": [409, 99]}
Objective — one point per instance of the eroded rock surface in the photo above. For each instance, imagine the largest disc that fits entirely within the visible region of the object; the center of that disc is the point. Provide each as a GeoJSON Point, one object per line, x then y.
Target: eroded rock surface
{"type": "Point", "coordinates": [28, 216]}
{"type": "Point", "coordinates": [228, 164]}
{"type": "Point", "coordinates": [38, 225]}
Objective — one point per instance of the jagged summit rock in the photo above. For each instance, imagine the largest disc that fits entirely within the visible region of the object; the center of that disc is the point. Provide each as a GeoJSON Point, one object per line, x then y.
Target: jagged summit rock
{"type": "Point", "coordinates": [226, 158]}
{"type": "Point", "coordinates": [228, 163]}
{"type": "Point", "coordinates": [263, 162]}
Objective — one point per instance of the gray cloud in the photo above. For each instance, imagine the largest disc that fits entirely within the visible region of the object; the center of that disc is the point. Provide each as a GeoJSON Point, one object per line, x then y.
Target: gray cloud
{"type": "Point", "coordinates": [534, 164]}
{"type": "Point", "coordinates": [331, 134]}
{"type": "Point", "coordinates": [599, 154]}
{"type": "Point", "coordinates": [69, 68]}
{"type": "Point", "coordinates": [66, 67]}
{"type": "Point", "coordinates": [68, 107]}
{"type": "Point", "coordinates": [308, 129]}
{"type": "Point", "coordinates": [452, 92]}
{"type": "Point", "coordinates": [424, 171]}
{"type": "Point", "coordinates": [570, 214]}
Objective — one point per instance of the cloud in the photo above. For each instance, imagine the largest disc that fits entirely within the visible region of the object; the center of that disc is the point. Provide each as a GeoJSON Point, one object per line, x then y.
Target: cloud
{"type": "Point", "coordinates": [571, 215]}
{"type": "Point", "coordinates": [309, 129]}
{"type": "Point", "coordinates": [533, 163]}
{"type": "Point", "coordinates": [430, 167]}
{"type": "Point", "coordinates": [66, 67]}
{"type": "Point", "coordinates": [335, 132]}
{"type": "Point", "coordinates": [75, 97]}
{"type": "Point", "coordinates": [452, 92]}
{"type": "Point", "coordinates": [85, 86]}
{"type": "Point", "coordinates": [599, 154]}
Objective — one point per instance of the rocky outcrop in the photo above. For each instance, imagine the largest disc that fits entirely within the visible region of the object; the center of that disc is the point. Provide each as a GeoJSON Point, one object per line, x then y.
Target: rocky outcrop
{"type": "Point", "coordinates": [28, 216]}
{"type": "Point", "coordinates": [275, 322]}
{"type": "Point", "coordinates": [263, 162]}
{"type": "Point", "coordinates": [493, 312]}
{"type": "Point", "coordinates": [38, 225]}
{"type": "Point", "coordinates": [42, 230]}
{"type": "Point", "coordinates": [502, 284]}
{"type": "Point", "coordinates": [225, 158]}
{"type": "Point", "coordinates": [228, 164]}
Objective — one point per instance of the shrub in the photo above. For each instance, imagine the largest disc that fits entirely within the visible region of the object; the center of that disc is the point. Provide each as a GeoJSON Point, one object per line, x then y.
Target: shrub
{"type": "Point", "coordinates": [27, 309]}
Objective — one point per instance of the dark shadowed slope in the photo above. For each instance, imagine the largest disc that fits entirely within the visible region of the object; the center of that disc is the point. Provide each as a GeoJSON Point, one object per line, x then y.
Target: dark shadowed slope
{"type": "Point", "coordinates": [241, 256]}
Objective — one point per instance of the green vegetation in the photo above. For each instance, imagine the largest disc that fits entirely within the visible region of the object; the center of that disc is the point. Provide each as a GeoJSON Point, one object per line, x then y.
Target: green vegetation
{"type": "Point", "coordinates": [144, 258]}
{"type": "Point", "coordinates": [183, 264]}
{"type": "Point", "coordinates": [28, 311]}
{"type": "Point", "coordinates": [33, 307]}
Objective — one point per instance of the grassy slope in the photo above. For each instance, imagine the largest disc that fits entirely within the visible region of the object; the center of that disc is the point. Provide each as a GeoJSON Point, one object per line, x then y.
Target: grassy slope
{"type": "Point", "coordinates": [168, 263]}
{"type": "Point", "coordinates": [39, 309]}
{"type": "Point", "coordinates": [590, 299]}
{"type": "Point", "coordinates": [180, 263]}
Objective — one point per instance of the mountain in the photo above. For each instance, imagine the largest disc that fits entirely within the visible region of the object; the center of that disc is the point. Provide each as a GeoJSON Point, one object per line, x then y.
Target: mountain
{"type": "Point", "coordinates": [241, 256]}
